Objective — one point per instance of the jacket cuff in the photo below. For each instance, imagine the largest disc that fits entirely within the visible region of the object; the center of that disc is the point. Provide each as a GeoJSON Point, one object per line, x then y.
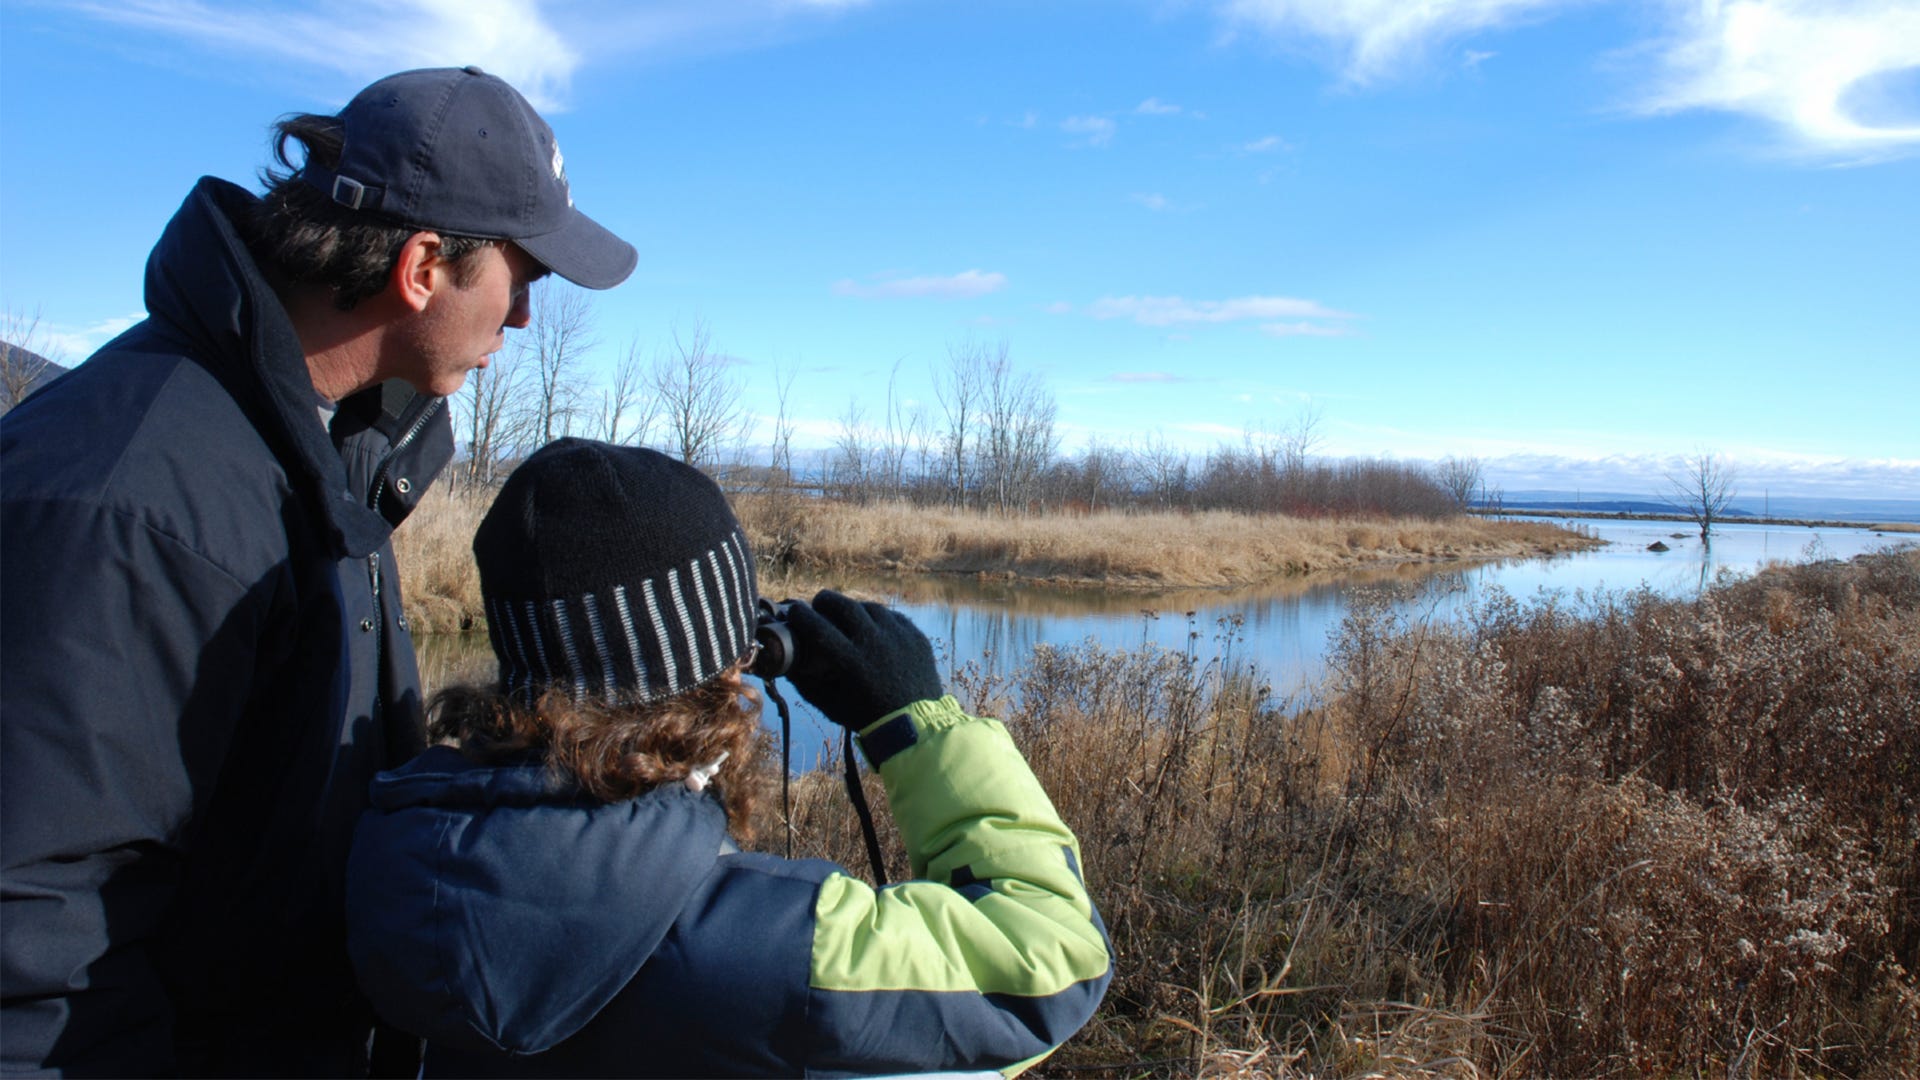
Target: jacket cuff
{"type": "Point", "coordinates": [900, 729]}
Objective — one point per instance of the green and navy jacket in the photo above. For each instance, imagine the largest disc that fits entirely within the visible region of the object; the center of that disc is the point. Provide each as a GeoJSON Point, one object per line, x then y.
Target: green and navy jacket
{"type": "Point", "coordinates": [523, 929]}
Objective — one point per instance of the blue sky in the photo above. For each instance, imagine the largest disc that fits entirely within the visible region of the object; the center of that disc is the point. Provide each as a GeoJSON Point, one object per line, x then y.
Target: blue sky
{"type": "Point", "coordinates": [1576, 239]}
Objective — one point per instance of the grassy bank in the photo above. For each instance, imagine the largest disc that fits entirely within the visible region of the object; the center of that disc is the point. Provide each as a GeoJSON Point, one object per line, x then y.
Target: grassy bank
{"type": "Point", "coordinates": [1626, 836]}
{"type": "Point", "coordinates": [807, 544]}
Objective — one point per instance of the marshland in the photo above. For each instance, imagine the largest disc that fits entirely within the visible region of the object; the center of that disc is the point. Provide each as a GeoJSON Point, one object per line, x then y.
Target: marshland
{"type": "Point", "coordinates": [1591, 830]}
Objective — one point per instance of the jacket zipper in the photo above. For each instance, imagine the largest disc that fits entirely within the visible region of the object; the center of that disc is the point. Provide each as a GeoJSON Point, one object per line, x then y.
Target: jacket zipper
{"type": "Point", "coordinates": [393, 451]}
{"type": "Point", "coordinates": [379, 631]}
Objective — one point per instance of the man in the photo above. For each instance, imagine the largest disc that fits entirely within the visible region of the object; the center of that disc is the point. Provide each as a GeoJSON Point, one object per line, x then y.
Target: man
{"type": "Point", "coordinates": [203, 659]}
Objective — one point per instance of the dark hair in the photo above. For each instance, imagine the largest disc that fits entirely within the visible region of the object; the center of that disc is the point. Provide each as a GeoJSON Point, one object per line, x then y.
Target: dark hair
{"type": "Point", "coordinates": [614, 752]}
{"type": "Point", "coordinates": [307, 238]}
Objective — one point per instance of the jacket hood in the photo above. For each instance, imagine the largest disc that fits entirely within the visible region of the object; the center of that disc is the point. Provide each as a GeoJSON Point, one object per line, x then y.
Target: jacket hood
{"type": "Point", "coordinates": [203, 288]}
{"type": "Point", "coordinates": [489, 907]}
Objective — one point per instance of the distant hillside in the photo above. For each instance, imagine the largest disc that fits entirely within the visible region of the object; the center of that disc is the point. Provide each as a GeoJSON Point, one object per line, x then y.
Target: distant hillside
{"type": "Point", "coordinates": [1796, 507]}
{"type": "Point", "coordinates": [22, 372]}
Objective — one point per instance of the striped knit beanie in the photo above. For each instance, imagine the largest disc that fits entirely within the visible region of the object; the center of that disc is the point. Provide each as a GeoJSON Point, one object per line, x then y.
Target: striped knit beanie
{"type": "Point", "coordinates": [614, 573]}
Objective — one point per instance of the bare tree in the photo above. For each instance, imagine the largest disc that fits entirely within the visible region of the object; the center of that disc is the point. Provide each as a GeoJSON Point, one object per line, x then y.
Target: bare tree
{"type": "Point", "coordinates": [782, 522]}
{"type": "Point", "coordinates": [1301, 437]}
{"type": "Point", "coordinates": [486, 412]}
{"type": "Point", "coordinates": [958, 391]}
{"type": "Point", "coordinates": [1101, 476]}
{"type": "Point", "coordinates": [1016, 436]}
{"type": "Point", "coordinates": [21, 363]}
{"type": "Point", "coordinates": [782, 449]}
{"type": "Point", "coordinates": [1702, 489]}
{"type": "Point", "coordinates": [626, 414]}
{"type": "Point", "coordinates": [699, 398]}
{"type": "Point", "coordinates": [896, 440]}
{"type": "Point", "coordinates": [1460, 477]}
{"type": "Point", "coordinates": [553, 343]}
{"type": "Point", "coordinates": [1162, 469]}
{"type": "Point", "coordinates": [849, 471]}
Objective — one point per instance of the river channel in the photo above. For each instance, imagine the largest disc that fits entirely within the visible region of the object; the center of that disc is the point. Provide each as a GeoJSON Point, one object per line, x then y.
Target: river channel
{"type": "Point", "coordinates": [1282, 627]}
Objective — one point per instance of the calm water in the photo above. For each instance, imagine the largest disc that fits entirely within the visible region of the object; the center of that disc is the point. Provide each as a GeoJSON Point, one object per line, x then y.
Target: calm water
{"type": "Point", "coordinates": [1285, 626]}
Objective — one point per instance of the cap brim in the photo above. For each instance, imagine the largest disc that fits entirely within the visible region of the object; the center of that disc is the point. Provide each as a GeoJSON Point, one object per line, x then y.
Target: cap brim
{"type": "Point", "coordinates": [583, 252]}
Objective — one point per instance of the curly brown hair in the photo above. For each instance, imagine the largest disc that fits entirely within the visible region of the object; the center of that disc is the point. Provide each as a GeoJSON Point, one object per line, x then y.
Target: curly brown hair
{"type": "Point", "coordinates": [615, 752]}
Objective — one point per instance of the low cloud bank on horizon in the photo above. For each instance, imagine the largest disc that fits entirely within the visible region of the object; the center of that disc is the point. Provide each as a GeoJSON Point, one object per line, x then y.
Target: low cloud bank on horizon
{"type": "Point", "coordinates": [1754, 477]}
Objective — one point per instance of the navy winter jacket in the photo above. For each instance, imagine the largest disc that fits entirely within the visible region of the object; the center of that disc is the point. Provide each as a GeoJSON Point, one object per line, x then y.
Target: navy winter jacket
{"type": "Point", "coordinates": [526, 930]}
{"type": "Point", "coordinates": [203, 663]}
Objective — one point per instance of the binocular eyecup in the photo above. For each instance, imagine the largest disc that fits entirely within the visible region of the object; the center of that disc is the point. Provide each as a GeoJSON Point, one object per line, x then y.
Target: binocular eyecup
{"type": "Point", "coordinates": [774, 657]}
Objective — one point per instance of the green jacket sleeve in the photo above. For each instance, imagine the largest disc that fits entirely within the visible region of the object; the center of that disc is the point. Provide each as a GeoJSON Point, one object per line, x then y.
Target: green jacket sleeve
{"type": "Point", "coordinates": [994, 952]}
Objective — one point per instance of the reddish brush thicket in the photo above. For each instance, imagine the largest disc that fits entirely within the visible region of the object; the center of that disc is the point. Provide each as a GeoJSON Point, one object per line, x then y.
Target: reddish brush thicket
{"type": "Point", "coordinates": [1607, 835]}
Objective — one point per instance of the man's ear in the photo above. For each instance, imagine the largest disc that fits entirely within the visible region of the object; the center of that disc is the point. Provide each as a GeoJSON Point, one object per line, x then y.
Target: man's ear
{"type": "Point", "coordinates": [418, 271]}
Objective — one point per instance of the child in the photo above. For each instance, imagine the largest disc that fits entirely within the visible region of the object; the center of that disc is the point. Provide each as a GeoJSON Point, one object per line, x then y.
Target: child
{"type": "Point", "coordinates": [551, 889]}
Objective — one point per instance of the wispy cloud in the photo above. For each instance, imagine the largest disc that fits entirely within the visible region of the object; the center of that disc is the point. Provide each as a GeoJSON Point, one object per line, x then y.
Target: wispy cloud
{"type": "Point", "coordinates": [537, 46]}
{"type": "Point", "coordinates": [1809, 68]}
{"type": "Point", "coordinates": [1146, 377]}
{"type": "Point", "coordinates": [1265, 145]}
{"type": "Point", "coordinates": [1813, 68]}
{"type": "Point", "coordinates": [1381, 38]}
{"type": "Point", "coordinates": [1093, 130]}
{"type": "Point", "coordinates": [68, 345]}
{"type": "Point", "coordinates": [510, 38]}
{"type": "Point", "coordinates": [1304, 329]}
{"type": "Point", "coordinates": [962, 286]}
{"type": "Point", "coordinates": [1156, 107]}
{"type": "Point", "coordinates": [1150, 200]}
{"type": "Point", "coordinates": [1176, 311]}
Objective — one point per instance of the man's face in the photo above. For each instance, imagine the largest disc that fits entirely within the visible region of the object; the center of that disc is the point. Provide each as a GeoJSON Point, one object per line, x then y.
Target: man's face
{"type": "Point", "coordinates": [463, 324]}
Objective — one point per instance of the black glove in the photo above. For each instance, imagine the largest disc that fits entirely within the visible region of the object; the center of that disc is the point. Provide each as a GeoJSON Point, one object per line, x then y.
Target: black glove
{"type": "Point", "coordinates": [858, 662]}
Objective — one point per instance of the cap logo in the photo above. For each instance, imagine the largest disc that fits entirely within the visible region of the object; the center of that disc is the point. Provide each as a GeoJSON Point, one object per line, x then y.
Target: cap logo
{"type": "Point", "coordinates": [560, 173]}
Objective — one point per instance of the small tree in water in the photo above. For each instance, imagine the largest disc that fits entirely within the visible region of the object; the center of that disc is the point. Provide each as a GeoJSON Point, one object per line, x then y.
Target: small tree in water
{"type": "Point", "coordinates": [1703, 489]}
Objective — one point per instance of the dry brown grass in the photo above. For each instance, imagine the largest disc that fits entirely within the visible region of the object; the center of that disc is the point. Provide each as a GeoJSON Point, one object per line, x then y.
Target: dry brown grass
{"type": "Point", "coordinates": [806, 544]}
{"type": "Point", "coordinates": [1617, 835]}
{"type": "Point", "coordinates": [1126, 550]}
{"type": "Point", "coordinates": [434, 550]}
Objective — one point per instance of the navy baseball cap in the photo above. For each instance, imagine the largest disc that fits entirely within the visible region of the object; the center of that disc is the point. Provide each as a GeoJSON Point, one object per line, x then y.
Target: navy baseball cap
{"type": "Point", "coordinates": [458, 150]}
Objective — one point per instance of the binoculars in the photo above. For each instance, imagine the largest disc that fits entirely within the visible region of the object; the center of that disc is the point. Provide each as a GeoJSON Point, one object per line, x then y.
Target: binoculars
{"type": "Point", "coordinates": [775, 655]}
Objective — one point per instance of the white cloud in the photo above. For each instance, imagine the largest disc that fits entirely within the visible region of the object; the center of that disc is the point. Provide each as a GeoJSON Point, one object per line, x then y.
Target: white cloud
{"type": "Point", "coordinates": [1757, 474]}
{"type": "Point", "coordinates": [1474, 58]}
{"type": "Point", "coordinates": [1801, 64]}
{"type": "Point", "coordinates": [1265, 145]}
{"type": "Point", "coordinates": [962, 286]}
{"type": "Point", "coordinates": [507, 37]}
{"type": "Point", "coordinates": [1152, 201]}
{"type": "Point", "coordinates": [1156, 107]}
{"type": "Point", "coordinates": [1146, 377]}
{"type": "Point", "coordinates": [1808, 66]}
{"type": "Point", "coordinates": [1380, 38]}
{"type": "Point", "coordinates": [1303, 329]}
{"type": "Point", "coordinates": [1093, 130]}
{"type": "Point", "coordinates": [68, 345]}
{"type": "Point", "coordinates": [1058, 307]}
{"type": "Point", "coordinates": [1174, 310]}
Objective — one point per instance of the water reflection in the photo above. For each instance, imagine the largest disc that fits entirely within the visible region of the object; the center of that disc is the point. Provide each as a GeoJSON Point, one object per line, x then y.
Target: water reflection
{"type": "Point", "coordinates": [1284, 626]}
